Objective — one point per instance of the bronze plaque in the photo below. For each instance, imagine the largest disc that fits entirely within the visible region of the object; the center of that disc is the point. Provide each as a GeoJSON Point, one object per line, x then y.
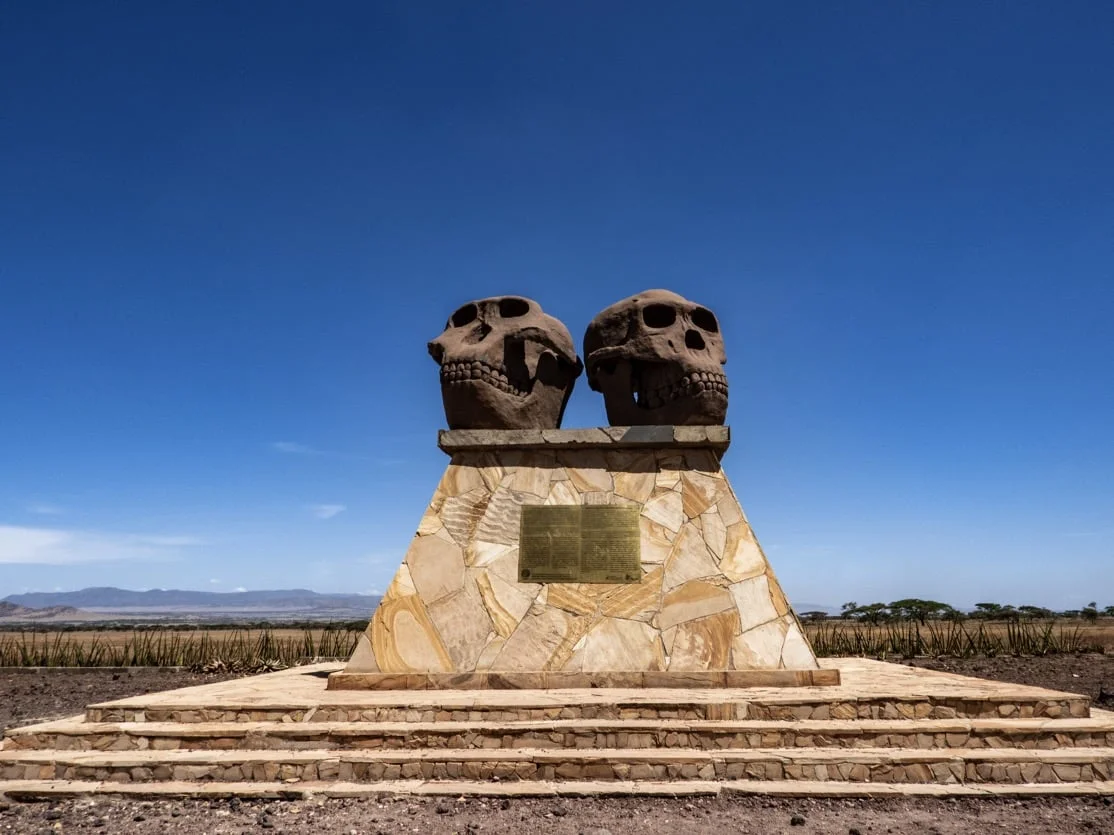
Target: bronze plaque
{"type": "Point", "coordinates": [579, 544]}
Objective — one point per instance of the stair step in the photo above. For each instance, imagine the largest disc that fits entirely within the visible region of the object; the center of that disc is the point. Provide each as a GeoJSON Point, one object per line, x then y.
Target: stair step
{"type": "Point", "coordinates": [738, 704]}
{"type": "Point", "coordinates": [570, 733]}
{"type": "Point", "coordinates": [47, 789]}
{"type": "Point", "coordinates": [877, 765]}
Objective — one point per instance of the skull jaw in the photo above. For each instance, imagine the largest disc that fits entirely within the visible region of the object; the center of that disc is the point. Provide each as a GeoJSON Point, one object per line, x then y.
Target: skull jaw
{"type": "Point", "coordinates": [708, 408]}
{"type": "Point", "coordinates": [474, 404]}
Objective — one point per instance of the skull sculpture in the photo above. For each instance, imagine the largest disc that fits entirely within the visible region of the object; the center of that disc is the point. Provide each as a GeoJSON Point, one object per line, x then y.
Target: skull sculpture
{"type": "Point", "coordinates": [658, 359]}
{"type": "Point", "coordinates": [505, 365]}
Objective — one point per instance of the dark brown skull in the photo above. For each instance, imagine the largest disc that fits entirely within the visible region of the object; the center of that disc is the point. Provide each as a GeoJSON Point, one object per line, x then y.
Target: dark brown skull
{"type": "Point", "coordinates": [658, 359]}
{"type": "Point", "coordinates": [505, 365]}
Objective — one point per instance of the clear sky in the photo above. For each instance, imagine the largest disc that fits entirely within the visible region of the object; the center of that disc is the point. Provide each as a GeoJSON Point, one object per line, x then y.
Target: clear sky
{"type": "Point", "coordinates": [227, 231]}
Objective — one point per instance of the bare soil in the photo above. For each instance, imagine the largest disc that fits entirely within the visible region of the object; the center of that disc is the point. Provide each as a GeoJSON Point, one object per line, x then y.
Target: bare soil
{"type": "Point", "coordinates": [30, 697]}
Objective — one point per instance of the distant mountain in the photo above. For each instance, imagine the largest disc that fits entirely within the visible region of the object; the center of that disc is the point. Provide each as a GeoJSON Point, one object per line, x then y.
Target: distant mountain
{"type": "Point", "coordinates": [15, 612]}
{"type": "Point", "coordinates": [113, 599]}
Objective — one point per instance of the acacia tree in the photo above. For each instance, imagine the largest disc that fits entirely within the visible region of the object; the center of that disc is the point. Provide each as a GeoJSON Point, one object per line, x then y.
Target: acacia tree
{"type": "Point", "coordinates": [996, 611]}
{"type": "Point", "coordinates": [1090, 612]}
{"type": "Point", "coordinates": [921, 611]}
{"type": "Point", "coordinates": [873, 614]}
{"type": "Point", "coordinates": [812, 617]}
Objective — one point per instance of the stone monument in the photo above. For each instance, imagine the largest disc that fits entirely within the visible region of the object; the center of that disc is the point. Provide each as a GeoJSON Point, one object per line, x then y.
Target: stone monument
{"type": "Point", "coordinates": [606, 557]}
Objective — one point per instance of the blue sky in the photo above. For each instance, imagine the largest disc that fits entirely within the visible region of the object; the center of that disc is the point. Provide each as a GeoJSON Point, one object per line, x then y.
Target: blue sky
{"type": "Point", "coordinates": [227, 231]}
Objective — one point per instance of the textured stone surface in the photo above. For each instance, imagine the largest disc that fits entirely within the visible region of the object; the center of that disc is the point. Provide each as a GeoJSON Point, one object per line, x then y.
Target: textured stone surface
{"type": "Point", "coordinates": [713, 438]}
{"type": "Point", "coordinates": [657, 358]}
{"type": "Point", "coordinates": [707, 599]}
{"type": "Point", "coordinates": [885, 729]}
{"type": "Point", "coordinates": [505, 364]}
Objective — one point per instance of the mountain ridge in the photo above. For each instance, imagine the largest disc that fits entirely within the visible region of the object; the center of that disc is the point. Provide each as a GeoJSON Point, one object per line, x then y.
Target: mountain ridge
{"type": "Point", "coordinates": [110, 597]}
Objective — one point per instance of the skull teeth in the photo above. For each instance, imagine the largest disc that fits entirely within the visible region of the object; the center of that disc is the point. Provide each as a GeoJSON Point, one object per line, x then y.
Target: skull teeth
{"type": "Point", "coordinates": [692, 384]}
{"type": "Point", "coordinates": [476, 370]}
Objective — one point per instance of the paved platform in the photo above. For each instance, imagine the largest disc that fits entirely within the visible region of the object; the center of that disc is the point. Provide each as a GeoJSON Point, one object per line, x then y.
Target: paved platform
{"type": "Point", "coordinates": [886, 728]}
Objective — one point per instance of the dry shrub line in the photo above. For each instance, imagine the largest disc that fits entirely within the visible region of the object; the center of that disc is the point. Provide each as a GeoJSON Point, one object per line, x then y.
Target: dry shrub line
{"type": "Point", "coordinates": [951, 638]}
{"type": "Point", "coordinates": [236, 651]}
{"type": "Point", "coordinates": [263, 650]}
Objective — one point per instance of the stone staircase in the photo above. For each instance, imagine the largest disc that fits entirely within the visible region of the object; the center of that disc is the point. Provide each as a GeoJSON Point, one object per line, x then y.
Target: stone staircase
{"type": "Point", "coordinates": [885, 729]}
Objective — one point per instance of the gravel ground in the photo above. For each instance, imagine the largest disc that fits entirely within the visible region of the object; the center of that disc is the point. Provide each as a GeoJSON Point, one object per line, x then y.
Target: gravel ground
{"type": "Point", "coordinates": [617, 816]}
{"type": "Point", "coordinates": [27, 697]}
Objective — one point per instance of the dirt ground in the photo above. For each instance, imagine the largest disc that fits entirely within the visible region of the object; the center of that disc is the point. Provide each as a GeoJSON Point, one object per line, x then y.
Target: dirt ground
{"type": "Point", "coordinates": [26, 698]}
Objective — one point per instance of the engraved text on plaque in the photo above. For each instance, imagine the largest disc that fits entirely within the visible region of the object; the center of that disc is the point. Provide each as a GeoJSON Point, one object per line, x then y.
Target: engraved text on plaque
{"type": "Point", "coordinates": [579, 544]}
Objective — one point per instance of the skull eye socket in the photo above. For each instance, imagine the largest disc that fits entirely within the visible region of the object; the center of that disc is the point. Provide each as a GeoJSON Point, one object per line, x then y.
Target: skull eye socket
{"type": "Point", "coordinates": [658, 315]}
{"type": "Point", "coordinates": [463, 316]}
{"type": "Point", "coordinates": [705, 320]}
{"type": "Point", "coordinates": [513, 308]}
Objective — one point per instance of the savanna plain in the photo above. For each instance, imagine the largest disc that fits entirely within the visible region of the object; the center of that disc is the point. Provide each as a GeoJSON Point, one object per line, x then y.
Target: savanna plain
{"type": "Point", "coordinates": [50, 674]}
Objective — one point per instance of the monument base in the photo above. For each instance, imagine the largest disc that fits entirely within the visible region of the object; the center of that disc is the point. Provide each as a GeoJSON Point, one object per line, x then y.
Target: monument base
{"type": "Point", "coordinates": [886, 729]}
{"type": "Point", "coordinates": [562, 680]}
{"type": "Point", "coordinates": [677, 593]}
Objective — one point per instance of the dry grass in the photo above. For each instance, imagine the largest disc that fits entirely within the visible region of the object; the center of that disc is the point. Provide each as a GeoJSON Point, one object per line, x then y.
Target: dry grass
{"type": "Point", "coordinates": [960, 638]}
{"type": "Point", "coordinates": [217, 649]}
{"type": "Point", "coordinates": [258, 649]}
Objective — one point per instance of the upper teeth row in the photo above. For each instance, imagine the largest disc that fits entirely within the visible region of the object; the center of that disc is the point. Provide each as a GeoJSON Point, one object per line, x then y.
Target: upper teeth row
{"type": "Point", "coordinates": [459, 372]}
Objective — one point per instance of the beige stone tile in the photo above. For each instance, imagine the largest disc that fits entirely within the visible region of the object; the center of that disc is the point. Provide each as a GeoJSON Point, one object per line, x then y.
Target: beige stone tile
{"type": "Point", "coordinates": [730, 510]}
{"type": "Point", "coordinates": [363, 658]}
{"type": "Point", "coordinates": [669, 474]}
{"type": "Point", "coordinates": [570, 598]}
{"type": "Point", "coordinates": [500, 522]}
{"type": "Point", "coordinates": [668, 636]}
{"type": "Point", "coordinates": [636, 486]}
{"type": "Point", "coordinates": [482, 554]}
{"type": "Point", "coordinates": [635, 601]}
{"type": "Point", "coordinates": [436, 567]}
{"type": "Point", "coordinates": [715, 532]}
{"type": "Point", "coordinates": [430, 524]}
{"type": "Point", "coordinates": [656, 541]}
{"type": "Point", "coordinates": [617, 644]}
{"type": "Point", "coordinates": [506, 603]}
{"type": "Point", "coordinates": [666, 509]}
{"type": "Point", "coordinates": [460, 514]}
{"type": "Point", "coordinates": [704, 643]}
{"type": "Point", "coordinates": [490, 653]}
{"type": "Point", "coordinates": [591, 479]}
{"type": "Point", "coordinates": [402, 585]}
{"type": "Point", "coordinates": [796, 654]}
{"type": "Point", "coordinates": [531, 481]}
{"type": "Point", "coordinates": [752, 598]}
{"type": "Point", "coordinates": [694, 599]}
{"type": "Point", "coordinates": [699, 492]}
{"type": "Point", "coordinates": [461, 479]}
{"type": "Point", "coordinates": [562, 493]}
{"type": "Point", "coordinates": [462, 621]}
{"type": "Point", "coordinates": [405, 640]}
{"type": "Point", "coordinates": [777, 596]}
{"type": "Point", "coordinates": [759, 648]}
{"type": "Point", "coordinates": [689, 559]}
{"type": "Point", "coordinates": [742, 558]}
{"type": "Point", "coordinates": [538, 636]}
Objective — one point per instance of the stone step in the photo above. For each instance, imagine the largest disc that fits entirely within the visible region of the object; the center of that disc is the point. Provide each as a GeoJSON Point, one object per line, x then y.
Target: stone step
{"type": "Point", "coordinates": [860, 765]}
{"type": "Point", "coordinates": [60, 789]}
{"type": "Point", "coordinates": [68, 735]}
{"type": "Point", "coordinates": [530, 705]}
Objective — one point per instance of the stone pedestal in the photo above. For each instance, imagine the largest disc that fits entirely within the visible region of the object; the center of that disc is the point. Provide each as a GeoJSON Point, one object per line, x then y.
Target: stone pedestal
{"type": "Point", "coordinates": [707, 611]}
